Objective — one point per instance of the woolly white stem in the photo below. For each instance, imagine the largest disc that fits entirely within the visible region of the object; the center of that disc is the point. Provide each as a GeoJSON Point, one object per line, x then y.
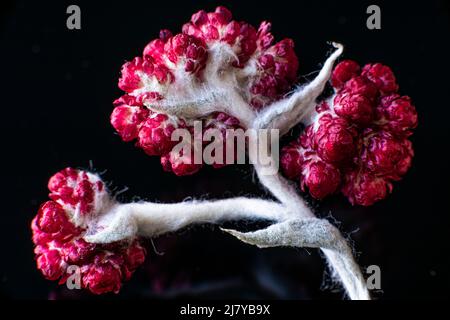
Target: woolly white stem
{"type": "Point", "coordinates": [295, 225]}
{"type": "Point", "coordinates": [206, 100]}
{"type": "Point", "coordinates": [156, 219]}
{"type": "Point", "coordinates": [284, 191]}
{"type": "Point", "coordinates": [328, 238]}
{"type": "Point", "coordinates": [347, 271]}
{"type": "Point", "coordinates": [286, 113]}
{"type": "Point", "coordinates": [313, 233]}
{"type": "Point", "coordinates": [126, 221]}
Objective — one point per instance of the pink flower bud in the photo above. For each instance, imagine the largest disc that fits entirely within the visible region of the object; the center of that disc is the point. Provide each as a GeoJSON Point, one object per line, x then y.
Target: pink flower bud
{"type": "Point", "coordinates": [131, 79]}
{"type": "Point", "coordinates": [134, 257]}
{"type": "Point", "coordinates": [50, 264]}
{"type": "Point", "coordinates": [364, 189]}
{"type": "Point", "coordinates": [179, 163]}
{"type": "Point", "coordinates": [78, 251]}
{"type": "Point", "coordinates": [188, 51]}
{"type": "Point", "coordinates": [291, 161]}
{"type": "Point", "coordinates": [334, 139]}
{"type": "Point", "coordinates": [278, 66]}
{"type": "Point", "coordinates": [145, 77]}
{"type": "Point", "coordinates": [321, 178]}
{"type": "Point", "coordinates": [127, 120]}
{"type": "Point", "coordinates": [384, 155]}
{"type": "Point", "coordinates": [264, 37]}
{"type": "Point", "coordinates": [155, 134]}
{"type": "Point", "coordinates": [75, 190]}
{"type": "Point", "coordinates": [361, 86]}
{"type": "Point", "coordinates": [354, 107]}
{"type": "Point", "coordinates": [217, 27]}
{"type": "Point", "coordinates": [344, 71]}
{"type": "Point", "coordinates": [103, 277]}
{"type": "Point", "coordinates": [398, 113]}
{"type": "Point", "coordinates": [381, 76]}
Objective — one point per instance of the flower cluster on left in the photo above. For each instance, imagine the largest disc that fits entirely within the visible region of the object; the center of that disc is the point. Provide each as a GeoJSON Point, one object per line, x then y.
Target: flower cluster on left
{"type": "Point", "coordinates": [59, 229]}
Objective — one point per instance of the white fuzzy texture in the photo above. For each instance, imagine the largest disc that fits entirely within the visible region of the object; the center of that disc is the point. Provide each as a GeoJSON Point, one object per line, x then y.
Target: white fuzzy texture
{"type": "Point", "coordinates": [294, 222]}
{"type": "Point", "coordinates": [286, 113]}
{"type": "Point", "coordinates": [308, 232]}
{"type": "Point", "coordinates": [126, 221]}
{"type": "Point", "coordinates": [218, 91]}
{"type": "Point", "coordinates": [102, 203]}
{"type": "Point", "coordinates": [313, 233]}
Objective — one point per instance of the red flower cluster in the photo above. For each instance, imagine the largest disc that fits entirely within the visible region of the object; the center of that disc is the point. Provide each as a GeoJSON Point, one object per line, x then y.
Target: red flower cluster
{"type": "Point", "coordinates": [59, 240]}
{"type": "Point", "coordinates": [358, 142]}
{"type": "Point", "coordinates": [173, 63]}
{"type": "Point", "coordinates": [153, 133]}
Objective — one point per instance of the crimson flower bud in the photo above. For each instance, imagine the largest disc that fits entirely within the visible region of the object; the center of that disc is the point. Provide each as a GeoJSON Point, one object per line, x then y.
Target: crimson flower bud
{"type": "Point", "coordinates": [344, 71]}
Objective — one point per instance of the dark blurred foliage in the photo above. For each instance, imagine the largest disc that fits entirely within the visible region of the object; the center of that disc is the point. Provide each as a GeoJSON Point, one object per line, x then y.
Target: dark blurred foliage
{"type": "Point", "coordinates": [57, 88]}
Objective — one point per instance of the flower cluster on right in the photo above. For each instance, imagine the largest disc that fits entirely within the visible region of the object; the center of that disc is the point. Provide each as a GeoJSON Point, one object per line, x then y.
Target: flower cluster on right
{"type": "Point", "coordinates": [357, 142]}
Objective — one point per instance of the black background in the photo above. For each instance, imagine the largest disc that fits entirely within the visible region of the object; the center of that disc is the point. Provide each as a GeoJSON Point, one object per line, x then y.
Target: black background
{"type": "Point", "coordinates": [57, 87]}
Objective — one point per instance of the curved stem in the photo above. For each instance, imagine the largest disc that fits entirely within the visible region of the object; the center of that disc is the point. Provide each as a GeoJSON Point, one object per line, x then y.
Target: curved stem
{"type": "Point", "coordinates": [339, 254]}
{"type": "Point", "coordinates": [126, 221]}
{"type": "Point", "coordinates": [284, 191]}
{"type": "Point", "coordinates": [296, 224]}
{"type": "Point", "coordinates": [347, 271]}
{"type": "Point", "coordinates": [155, 219]}
{"type": "Point", "coordinates": [203, 101]}
{"type": "Point", "coordinates": [286, 113]}
{"type": "Point", "coordinates": [313, 233]}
